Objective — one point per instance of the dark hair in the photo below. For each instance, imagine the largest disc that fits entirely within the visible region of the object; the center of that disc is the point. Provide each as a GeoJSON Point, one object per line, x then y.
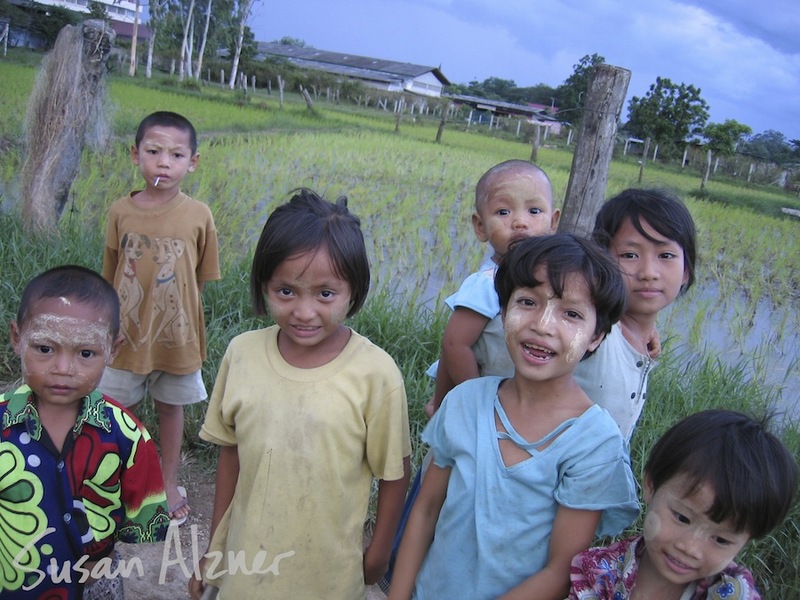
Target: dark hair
{"type": "Point", "coordinates": [165, 118]}
{"type": "Point", "coordinates": [661, 210]}
{"type": "Point", "coordinates": [753, 475]}
{"type": "Point", "coordinates": [563, 254]}
{"type": "Point", "coordinates": [76, 283]}
{"type": "Point", "coordinates": [306, 223]}
{"type": "Point", "coordinates": [514, 165]}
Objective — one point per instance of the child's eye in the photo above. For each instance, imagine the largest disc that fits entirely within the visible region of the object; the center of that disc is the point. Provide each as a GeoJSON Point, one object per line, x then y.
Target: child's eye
{"type": "Point", "coordinates": [668, 255]}
{"type": "Point", "coordinates": [503, 212]}
{"type": "Point", "coordinates": [87, 353]}
{"type": "Point", "coordinates": [535, 211]}
{"type": "Point", "coordinates": [526, 302]}
{"type": "Point", "coordinates": [628, 255]}
{"type": "Point", "coordinates": [44, 349]}
{"type": "Point", "coordinates": [574, 314]}
{"type": "Point", "coordinates": [326, 294]}
{"type": "Point", "coordinates": [722, 541]}
{"type": "Point", "coordinates": [680, 518]}
{"type": "Point", "coordinates": [283, 291]}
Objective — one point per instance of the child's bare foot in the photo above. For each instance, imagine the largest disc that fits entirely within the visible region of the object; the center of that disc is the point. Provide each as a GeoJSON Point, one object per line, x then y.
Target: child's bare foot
{"type": "Point", "coordinates": [178, 505]}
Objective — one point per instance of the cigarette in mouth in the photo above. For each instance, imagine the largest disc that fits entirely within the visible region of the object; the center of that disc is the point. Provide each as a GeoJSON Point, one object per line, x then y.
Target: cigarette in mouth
{"type": "Point", "coordinates": [155, 183]}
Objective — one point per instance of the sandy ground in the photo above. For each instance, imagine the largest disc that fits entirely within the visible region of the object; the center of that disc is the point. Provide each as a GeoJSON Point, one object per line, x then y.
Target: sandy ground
{"type": "Point", "coordinates": [167, 566]}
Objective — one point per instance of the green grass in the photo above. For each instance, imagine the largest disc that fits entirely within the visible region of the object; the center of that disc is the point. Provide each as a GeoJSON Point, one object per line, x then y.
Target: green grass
{"type": "Point", "coordinates": [414, 198]}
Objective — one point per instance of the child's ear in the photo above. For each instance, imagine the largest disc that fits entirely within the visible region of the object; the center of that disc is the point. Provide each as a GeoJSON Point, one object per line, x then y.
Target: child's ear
{"type": "Point", "coordinates": [555, 220]}
{"type": "Point", "coordinates": [135, 154]}
{"type": "Point", "coordinates": [595, 343]}
{"type": "Point", "coordinates": [647, 488]}
{"type": "Point", "coordinates": [15, 338]}
{"type": "Point", "coordinates": [193, 162]}
{"type": "Point", "coordinates": [477, 225]}
{"type": "Point", "coordinates": [115, 346]}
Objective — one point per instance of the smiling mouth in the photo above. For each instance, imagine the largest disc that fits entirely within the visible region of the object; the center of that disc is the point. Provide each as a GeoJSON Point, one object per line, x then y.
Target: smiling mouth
{"type": "Point", "coordinates": [537, 351]}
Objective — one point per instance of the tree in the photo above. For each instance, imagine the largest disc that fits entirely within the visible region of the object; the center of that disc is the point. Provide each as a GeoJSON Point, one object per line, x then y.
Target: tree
{"type": "Point", "coordinates": [668, 114]}
{"type": "Point", "coordinates": [243, 8]}
{"type": "Point", "coordinates": [571, 95]}
{"type": "Point", "coordinates": [723, 138]}
{"type": "Point", "coordinates": [722, 141]}
{"type": "Point", "coordinates": [770, 146]}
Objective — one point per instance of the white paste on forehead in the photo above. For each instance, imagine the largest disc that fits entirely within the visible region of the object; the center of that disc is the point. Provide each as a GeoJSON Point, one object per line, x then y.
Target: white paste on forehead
{"type": "Point", "coordinates": [47, 328]}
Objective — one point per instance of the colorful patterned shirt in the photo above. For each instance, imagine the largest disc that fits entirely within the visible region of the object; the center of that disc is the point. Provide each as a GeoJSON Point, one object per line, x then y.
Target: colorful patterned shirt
{"type": "Point", "coordinates": [60, 510]}
{"type": "Point", "coordinates": [609, 573]}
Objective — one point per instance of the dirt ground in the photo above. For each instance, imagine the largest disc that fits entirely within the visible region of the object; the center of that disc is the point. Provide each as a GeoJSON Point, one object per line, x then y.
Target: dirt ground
{"type": "Point", "coordinates": [165, 573]}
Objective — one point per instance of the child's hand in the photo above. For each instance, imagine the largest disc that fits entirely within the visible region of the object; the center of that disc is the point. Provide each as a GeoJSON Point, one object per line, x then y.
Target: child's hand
{"type": "Point", "coordinates": [374, 566]}
{"type": "Point", "coordinates": [430, 407]}
{"type": "Point", "coordinates": [654, 345]}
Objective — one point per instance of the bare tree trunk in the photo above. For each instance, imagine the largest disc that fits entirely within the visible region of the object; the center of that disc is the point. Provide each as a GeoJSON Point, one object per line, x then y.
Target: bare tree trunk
{"type": "Point", "coordinates": [134, 37]}
{"type": "Point", "coordinates": [148, 72]}
{"type": "Point", "coordinates": [184, 43]}
{"type": "Point", "coordinates": [589, 173]}
{"type": "Point", "coordinates": [202, 50]}
{"type": "Point", "coordinates": [707, 171]}
{"type": "Point", "coordinates": [280, 91]}
{"type": "Point", "coordinates": [244, 12]}
{"type": "Point", "coordinates": [190, 50]}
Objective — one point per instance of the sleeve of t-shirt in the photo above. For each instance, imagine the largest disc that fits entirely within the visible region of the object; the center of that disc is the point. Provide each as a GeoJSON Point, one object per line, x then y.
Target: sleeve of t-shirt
{"type": "Point", "coordinates": [597, 476]}
{"type": "Point", "coordinates": [388, 438]}
{"type": "Point", "coordinates": [477, 293]}
{"type": "Point", "coordinates": [216, 429]}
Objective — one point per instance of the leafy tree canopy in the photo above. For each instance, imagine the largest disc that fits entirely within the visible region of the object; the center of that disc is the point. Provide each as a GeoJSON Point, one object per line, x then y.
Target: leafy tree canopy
{"type": "Point", "coordinates": [723, 138]}
{"type": "Point", "coordinates": [669, 114]}
{"type": "Point", "coordinates": [291, 41]}
{"type": "Point", "coordinates": [571, 94]}
{"type": "Point", "coordinates": [771, 146]}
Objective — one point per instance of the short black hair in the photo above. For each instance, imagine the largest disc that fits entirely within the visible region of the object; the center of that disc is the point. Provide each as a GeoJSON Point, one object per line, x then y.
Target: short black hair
{"type": "Point", "coordinates": [306, 223]}
{"type": "Point", "coordinates": [563, 254]}
{"type": "Point", "coordinates": [165, 118]}
{"type": "Point", "coordinates": [753, 475]}
{"type": "Point", "coordinates": [514, 165]}
{"type": "Point", "coordinates": [661, 210]}
{"type": "Point", "coordinates": [76, 283]}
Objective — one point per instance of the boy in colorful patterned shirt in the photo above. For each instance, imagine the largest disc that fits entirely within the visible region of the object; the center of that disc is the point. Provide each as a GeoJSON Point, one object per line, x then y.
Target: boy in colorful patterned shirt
{"type": "Point", "coordinates": [78, 472]}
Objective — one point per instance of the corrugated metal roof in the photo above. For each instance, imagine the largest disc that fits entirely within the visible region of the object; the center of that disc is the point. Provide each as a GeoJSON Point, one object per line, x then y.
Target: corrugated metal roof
{"type": "Point", "coordinates": [312, 57]}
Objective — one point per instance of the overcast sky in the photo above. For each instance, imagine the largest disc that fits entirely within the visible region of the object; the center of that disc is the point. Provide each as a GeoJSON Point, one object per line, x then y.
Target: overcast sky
{"type": "Point", "coordinates": [743, 55]}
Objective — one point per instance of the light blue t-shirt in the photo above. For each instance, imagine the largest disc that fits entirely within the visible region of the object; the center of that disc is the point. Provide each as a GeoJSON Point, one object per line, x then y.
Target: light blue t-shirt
{"type": "Point", "coordinates": [477, 293]}
{"type": "Point", "coordinates": [494, 528]}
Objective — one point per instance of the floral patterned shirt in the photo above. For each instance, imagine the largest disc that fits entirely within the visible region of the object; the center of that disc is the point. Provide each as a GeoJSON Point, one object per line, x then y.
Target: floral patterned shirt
{"type": "Point", "coordinates": [609, 573]}
{"type": "Point", "coordinates": [61, 510]}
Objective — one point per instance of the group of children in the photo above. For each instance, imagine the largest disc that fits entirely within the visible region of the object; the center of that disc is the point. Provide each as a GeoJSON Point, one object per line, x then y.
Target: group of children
{"type": "Point", "coordinates": [542, 377]}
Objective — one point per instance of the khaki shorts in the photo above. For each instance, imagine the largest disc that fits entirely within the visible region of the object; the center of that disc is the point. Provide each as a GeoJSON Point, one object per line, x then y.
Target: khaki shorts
{"type": "Point", "coordinates": [129, 388]}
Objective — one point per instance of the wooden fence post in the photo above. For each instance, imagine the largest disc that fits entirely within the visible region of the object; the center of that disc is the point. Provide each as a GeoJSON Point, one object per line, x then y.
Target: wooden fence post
{"type": "Point", "coordinates": [595, 145]}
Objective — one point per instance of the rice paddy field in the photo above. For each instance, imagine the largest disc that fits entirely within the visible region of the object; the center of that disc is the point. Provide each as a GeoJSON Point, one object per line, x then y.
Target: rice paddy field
{"type": "Point", "coordinates": [733, 341]}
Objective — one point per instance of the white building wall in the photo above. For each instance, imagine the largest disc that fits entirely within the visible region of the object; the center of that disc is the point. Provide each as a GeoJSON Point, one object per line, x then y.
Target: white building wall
{"type": "Point", "coordinates": [118, 11]}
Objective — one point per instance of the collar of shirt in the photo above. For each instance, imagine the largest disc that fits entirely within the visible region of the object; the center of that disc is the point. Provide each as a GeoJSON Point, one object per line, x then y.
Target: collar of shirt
{"type": "Point", "coordinates": [21, 409]}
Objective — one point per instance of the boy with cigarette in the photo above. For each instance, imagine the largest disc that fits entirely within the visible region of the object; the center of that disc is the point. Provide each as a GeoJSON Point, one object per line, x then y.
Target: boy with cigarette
{"type": "Point", "coordinates": [160, 249]}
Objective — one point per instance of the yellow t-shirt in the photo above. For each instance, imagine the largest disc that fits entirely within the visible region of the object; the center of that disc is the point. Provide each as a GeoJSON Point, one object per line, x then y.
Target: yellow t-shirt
{"type": "Point", "coordinates": [310, 441]}
{"type": "Point", "coordinates": [155, 259]}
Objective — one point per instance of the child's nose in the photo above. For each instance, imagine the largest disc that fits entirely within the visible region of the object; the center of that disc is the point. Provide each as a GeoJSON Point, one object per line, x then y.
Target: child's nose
{"type": "Point", "coordinates": [544, 321]}
{"type": "Point", "coordinates": [62, 363]}
{"type": "Point", "coordinates": [648, 267]}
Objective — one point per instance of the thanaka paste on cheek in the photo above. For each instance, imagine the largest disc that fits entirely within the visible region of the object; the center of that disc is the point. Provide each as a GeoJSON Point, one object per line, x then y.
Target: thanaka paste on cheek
{"type": "Point", "coordinates": [577, 347]}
